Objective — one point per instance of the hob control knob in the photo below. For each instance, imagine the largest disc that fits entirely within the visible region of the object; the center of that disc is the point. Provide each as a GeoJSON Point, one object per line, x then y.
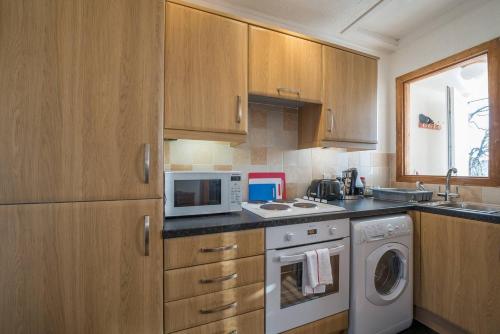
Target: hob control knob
{"type": "Point", "coordinates": [333, 230]}
{"type": "Point", "coordinates": [289, 236]}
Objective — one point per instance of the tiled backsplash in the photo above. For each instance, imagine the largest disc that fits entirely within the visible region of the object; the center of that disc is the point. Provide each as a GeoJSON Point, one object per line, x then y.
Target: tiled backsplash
{"type": "Point", "coordinates": [467, 193]}
{"type": "Point", "coordinates": [272, 146]}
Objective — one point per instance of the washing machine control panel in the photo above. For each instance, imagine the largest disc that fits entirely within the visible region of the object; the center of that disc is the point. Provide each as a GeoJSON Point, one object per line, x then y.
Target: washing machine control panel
{"type": "Point", "coordinates": [378, 230]}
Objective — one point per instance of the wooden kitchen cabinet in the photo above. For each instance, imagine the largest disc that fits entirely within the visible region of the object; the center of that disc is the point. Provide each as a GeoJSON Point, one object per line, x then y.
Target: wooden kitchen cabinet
{"type": "Point", "coordinates": [460, 271]}
{"type": "Point", "coordinates": [81, 268]}
{"type": "Point", "coordinates": [206, 71]}
{"type": "Point", "coordinates": [348, 115]}
{"type": "Point", "coordinates": [81, 89]}
{"type": "Point", "coordinates": [349, 97]}
{"type": "Point", "coordinates": [284, 66]}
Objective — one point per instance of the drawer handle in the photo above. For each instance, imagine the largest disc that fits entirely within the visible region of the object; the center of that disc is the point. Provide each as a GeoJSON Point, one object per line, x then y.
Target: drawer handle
{"type": "Point", "coordinates": [219, 308]}
{"type": "Point", "coordinates": [330, 115]}
{"type": "Point", "coordinates": [219, 279]}
{"type": "Point", "coordinates": [233, 332]}
{"type": "Point", "coordinates": [219, 249]}
{"type": "Point", "coordinates": [289, 90]}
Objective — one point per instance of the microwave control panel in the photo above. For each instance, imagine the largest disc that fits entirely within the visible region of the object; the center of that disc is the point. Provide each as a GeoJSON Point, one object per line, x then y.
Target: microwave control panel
{"type": "Point", "coordinates": [235, 192]}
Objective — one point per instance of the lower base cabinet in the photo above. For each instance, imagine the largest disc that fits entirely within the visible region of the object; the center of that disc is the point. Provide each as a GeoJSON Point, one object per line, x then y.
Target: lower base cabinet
{"type": "Point", "coordinates": [248, 323]}
{"type": "Point", "coordinates": [81, 268]}
{"type": "Point", "coordinates": [460, 272]}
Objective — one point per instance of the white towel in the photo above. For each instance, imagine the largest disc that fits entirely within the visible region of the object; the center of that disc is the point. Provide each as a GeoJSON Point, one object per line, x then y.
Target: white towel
{"type": "Point", "coordinates": [317, 271]}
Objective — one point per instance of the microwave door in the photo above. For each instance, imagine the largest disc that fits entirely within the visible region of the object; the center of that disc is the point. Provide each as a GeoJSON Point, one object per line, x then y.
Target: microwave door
{"type": "Point", "coordinates": [195, 194]}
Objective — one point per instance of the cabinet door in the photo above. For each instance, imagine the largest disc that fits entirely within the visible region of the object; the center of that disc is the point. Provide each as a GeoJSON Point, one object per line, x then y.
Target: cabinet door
{"type": "Point", "coordinates": [460, 268]}
{"type": "Point", "coordinates": [81, 268]}
{"type": "Point", "coordinates": [284, 66]}
{"type": "Point", "coordinates": [350, 97]}
{"type": "Point", "coordinates": [206, 66]}
{"type": "Point", "coordinates": [81, 94]}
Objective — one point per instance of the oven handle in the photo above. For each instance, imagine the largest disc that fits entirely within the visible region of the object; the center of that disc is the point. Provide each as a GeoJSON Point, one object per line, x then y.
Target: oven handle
{"type": "Point", "coordinates": [302, 257]}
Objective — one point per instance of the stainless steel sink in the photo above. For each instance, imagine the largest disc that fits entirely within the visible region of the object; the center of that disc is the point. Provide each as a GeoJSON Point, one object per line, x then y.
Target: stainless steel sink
{"type": "Point", "coordinates": [470, 206]}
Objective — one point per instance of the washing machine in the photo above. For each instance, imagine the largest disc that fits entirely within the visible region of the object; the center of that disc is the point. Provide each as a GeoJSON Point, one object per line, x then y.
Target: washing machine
{"type": "Point", "coordinates": [381, 299]}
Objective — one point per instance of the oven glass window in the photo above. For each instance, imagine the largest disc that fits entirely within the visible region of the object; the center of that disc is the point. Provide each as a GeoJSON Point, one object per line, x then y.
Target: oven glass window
{"type": "Point", "coordinates": [197, 192]}
{"type": "Point", "coordinates": [291, 283]}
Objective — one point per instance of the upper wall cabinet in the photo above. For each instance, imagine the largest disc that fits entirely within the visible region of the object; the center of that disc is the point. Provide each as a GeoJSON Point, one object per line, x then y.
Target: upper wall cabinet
{"type": "Point", "coordinates": [349, 97]}
{"type": "Point", "coordinates": [284, 66]}
{"type": "Point", "coordinates": [348, 116]}
{"type": "Point", "coordinates": [206, 66]}
{"type": "Point", "coordinates": [81, 91]}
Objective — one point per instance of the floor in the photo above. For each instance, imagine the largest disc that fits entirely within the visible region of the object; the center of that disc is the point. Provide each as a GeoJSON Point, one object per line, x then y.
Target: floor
{"type": "Point", "coordinates": [418, 328]}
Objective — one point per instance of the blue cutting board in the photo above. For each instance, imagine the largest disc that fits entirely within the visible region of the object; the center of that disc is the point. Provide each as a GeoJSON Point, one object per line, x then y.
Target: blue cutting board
{"type": "Point", "coordinates": [261, 192]}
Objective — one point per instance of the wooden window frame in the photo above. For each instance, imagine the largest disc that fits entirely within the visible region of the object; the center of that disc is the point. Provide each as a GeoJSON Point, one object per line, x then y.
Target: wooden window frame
{"type": "Point", "coordinates": [492, 49]}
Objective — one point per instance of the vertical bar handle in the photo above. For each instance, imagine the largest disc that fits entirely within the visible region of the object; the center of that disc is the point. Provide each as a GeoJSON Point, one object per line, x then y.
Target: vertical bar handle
{"type": "Point", "coordinates": [146, 235]}
{"type": "Point", "coordinates": [147, 162]}
{"type": "Point", "coordinates": [331, 120]}
{"type": "Point", "coordinates": [239, 109]}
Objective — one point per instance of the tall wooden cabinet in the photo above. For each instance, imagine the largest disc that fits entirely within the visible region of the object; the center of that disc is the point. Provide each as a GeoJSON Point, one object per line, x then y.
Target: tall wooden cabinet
{"type": "Point", "coordinates": [81, 100]}
{"type": "Point", "coordinates": [81, 113]}
{"type": "Point", "coordinates": [460, 272]}
{"type": "Point", "coordinates": [284, 66]}
{"type": "Point", "coordinates": [206, 66]}
{"type": "Point", "coordinates": [81, 268]}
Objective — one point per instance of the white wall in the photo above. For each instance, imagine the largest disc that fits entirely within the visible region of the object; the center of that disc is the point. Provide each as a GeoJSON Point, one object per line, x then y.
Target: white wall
{"type": "Point", "coordinates": [478, 25]}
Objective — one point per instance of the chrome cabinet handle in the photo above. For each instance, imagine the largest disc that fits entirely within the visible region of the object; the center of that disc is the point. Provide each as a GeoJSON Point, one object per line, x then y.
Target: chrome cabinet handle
{"type": "Point", "coordinates": [219, 279]}
{"type": "Point", "coordinates": [219, 308]}
{"type": "Point", "coordinates": [239, 109]}
{"type": "Point", "coordinates": [146, 235]}
{"type": "Point", "coordinates": [332, 120]}
{"type": "Point", "coordinates": [219, 249]}
{"type": "Point", "coordinates": [330, 116]}
{"type": "Point", "coordinates": [147, 162]}
{"type": "Point", "coordinates": [288, 90]}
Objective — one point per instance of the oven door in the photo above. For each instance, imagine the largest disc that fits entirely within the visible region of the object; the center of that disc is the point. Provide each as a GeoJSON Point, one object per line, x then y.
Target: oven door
{"type": "Point", "coordinates": [196, 193]}
{"type": "Point", "coordinates": [286, 306]}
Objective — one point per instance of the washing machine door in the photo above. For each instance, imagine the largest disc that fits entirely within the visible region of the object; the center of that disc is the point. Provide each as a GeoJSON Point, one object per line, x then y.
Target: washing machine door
{"type": "Point", "coordinates": [387, 270]}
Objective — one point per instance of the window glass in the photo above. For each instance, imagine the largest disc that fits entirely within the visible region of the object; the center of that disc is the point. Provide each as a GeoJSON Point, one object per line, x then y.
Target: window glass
{"type": "Point", "coordinates": [449, 121]}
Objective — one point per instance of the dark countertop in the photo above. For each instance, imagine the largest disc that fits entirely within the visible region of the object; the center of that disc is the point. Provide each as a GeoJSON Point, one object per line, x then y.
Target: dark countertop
{"type": "Point", "coordinates": [196, 225]}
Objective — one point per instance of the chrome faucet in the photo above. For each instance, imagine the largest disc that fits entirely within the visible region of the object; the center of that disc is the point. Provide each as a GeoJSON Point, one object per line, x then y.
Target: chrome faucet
{"type": "Point", "coordinates": [447, 192]}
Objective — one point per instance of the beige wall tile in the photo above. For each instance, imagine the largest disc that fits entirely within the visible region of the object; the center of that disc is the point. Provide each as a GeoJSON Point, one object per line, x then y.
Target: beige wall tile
{"type": "Point", "coordinates": [291, 190]}
{"type": "Point", "coordinates": [258, 155]}
{"type": "Point", "coordinates": [257, 117]}
{"type": "Point", "coordinates": [222, 154]}
{"type": "Point", "coordinates": [469, 194]}
{"type": "Point", "coordinates": [203, 167]}
{"type": "Point", "coordinates": [353, 159]}
{"type": "Point", "coordinates": [223, 167]}
{"type": "Point", "coordinates": [166, 152]}
{"type": "Point", "coordinates": [179, 167]}
{"type": "Point", "coordinates": [379, 159]}
{"type": "Point", "coordinates": [202, 153]}
{"type": "Point", "coordinates": [491, 195]}
{"type": "Point", "coordinates": [274, 157]}
{"type": "Point", "coordinates": [241, 156]}
{"type": "Point", "coordinates": [290, 120]}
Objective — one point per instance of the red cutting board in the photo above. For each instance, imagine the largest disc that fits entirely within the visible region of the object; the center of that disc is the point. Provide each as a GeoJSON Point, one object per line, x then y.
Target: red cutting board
{"type": "Point", "coordinates": [270, 175]}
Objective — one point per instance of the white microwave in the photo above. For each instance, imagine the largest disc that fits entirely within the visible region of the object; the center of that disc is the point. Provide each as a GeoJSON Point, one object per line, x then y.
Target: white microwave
{"type": "Point", "coordinates": [201, 193]}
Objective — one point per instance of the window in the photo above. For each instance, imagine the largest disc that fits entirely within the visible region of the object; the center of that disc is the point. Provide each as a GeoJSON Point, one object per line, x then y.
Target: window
{"type": "Point", "coordinates": [448, 115]}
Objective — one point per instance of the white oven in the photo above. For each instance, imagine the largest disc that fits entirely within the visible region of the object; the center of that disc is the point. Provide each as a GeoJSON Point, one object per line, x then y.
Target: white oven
{"type": "Point", "coordinates": [286, 306]}
{"type": "Point", "coordinates": [200, 193]}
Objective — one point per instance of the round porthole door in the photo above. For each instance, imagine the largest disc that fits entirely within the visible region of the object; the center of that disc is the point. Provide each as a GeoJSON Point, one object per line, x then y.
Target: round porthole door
{"type": "Point", "coordinates": [386, 273]}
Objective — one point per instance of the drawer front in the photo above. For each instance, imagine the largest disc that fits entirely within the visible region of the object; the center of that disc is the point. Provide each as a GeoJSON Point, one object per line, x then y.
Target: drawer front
{"type": "Point", "coordinates": [191, 251]}
{"type": "Point", "coordinates": [211, 307]}
{"type": "Point", "coordinates": [198, 280]}
{"type": "Point", "coordinates": [248, 323]}
{"type": "Point", "coordinates": [335, 324]}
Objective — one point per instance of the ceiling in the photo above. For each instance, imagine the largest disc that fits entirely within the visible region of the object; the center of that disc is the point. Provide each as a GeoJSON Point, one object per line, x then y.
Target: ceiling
{"type": "Point", "coordinates": [365, 24]}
